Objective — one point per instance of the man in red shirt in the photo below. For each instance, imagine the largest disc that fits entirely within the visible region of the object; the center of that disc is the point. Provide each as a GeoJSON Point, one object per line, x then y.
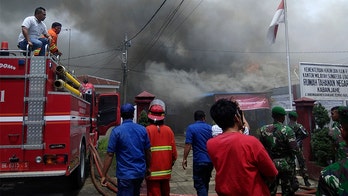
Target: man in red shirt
{"type": "Point", "coordinates": [86, 86]}
{"type": "Point", "coordinates": [163, 151]}
{"type": "Point", "coordinates": [242, 164]}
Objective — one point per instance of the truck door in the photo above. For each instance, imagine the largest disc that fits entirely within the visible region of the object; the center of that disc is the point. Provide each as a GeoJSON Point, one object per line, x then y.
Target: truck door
{"type": "Point", "coordinates": [108, 112]}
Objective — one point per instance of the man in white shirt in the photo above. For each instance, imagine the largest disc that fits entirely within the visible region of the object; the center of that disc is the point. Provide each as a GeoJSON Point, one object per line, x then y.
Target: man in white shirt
{"type": "Point", "coordinates": [216, 130]}
{"type": "Point", "coordinates": [32, 28]}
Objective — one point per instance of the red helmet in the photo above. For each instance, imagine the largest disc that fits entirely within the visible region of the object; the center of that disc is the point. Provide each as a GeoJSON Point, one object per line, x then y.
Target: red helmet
{"type": "Point", "coordinates": [156, 113]}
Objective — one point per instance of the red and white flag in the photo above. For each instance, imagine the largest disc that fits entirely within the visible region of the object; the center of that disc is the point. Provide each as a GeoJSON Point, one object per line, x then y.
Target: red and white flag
{"type": "Point", "coordinates": [277, 19]}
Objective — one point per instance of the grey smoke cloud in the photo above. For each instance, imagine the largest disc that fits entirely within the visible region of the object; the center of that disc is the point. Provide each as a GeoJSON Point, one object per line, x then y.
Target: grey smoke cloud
{"type": "Point", "coordinates": [210, 45]}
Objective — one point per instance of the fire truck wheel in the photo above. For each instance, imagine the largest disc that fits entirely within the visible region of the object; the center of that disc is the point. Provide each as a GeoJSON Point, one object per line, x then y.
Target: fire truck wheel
{"type": "Point", "coordinates": [79, 175]}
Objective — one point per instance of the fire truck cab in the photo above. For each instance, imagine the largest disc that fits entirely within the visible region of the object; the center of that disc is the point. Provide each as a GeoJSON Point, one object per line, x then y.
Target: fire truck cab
{"type": "Point", "coordinates": [46, 123]}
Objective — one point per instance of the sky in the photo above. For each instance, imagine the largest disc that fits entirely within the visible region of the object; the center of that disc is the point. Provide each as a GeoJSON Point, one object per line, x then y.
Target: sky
{"type": "Point", "coordinates": [189, 48]}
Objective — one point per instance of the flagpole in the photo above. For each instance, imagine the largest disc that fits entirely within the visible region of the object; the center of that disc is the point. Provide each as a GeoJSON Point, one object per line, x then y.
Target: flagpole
{"type": "Point", "coordinates": [287, 52]}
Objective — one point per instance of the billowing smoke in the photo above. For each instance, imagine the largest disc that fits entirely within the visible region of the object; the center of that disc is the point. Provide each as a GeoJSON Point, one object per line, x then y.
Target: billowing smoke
{"type": "Point", "coordinates": [190, 47]}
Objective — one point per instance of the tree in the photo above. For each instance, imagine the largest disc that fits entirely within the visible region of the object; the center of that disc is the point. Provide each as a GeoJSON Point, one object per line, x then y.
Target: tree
{"type": "Point", "coordinates": [143, 120]}
{"type": "Point", "coordinates": [320, 141]}
{"type": "Point", "coordinates": [321, 117]}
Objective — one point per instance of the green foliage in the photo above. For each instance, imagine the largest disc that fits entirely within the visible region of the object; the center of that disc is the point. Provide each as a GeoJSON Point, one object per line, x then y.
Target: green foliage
{"type": "Point", "coordinates": [320, 141]}
{"type": "Point", "coordinates": [321, 116]}
{"type": "Point", "coordinates": [102, 147]}
{"type": "Point", "coordinates": [143, 120]}
{"type": "Point", "coordinates": [322, 146]}
{"type": "Point", "coordinates": [103, 144]}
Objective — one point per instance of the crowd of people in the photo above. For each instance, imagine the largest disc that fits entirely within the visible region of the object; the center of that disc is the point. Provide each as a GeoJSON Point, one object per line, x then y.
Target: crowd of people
{"type": "Point", "coordinates": [244, 164]}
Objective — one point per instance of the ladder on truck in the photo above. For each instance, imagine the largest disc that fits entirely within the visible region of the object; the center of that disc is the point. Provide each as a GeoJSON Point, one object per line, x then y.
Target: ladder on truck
{"type": "Point", "coordinates": [35, 119]}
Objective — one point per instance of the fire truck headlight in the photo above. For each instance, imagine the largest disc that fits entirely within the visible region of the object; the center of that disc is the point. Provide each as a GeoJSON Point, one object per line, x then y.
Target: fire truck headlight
{"type": "Point", "coordinates": [38, 159]}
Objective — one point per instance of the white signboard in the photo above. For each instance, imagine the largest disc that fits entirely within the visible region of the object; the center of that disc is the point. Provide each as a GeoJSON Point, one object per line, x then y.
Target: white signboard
{"type": "Point", "coordinates": [324, 81]}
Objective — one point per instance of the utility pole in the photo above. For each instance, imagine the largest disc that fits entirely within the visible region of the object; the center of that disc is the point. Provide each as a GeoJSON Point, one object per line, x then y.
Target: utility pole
{"type": "Point", "coordinates": [126, 45]}
{"type": "Point", "coordinates": [69, 48]}
{"type": "Point", "coordinates": [69, 30]}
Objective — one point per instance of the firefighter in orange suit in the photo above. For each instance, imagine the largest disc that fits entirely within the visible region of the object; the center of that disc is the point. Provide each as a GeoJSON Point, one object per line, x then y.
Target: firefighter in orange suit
{"type": "Point", "coordinates": [163, 151]}
{"type": "Point", "coordinates": [54, 31]}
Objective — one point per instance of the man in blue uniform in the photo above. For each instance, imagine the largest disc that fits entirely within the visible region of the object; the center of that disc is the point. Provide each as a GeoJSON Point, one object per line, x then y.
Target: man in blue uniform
{"type": "Point", "coordinates": [197, 135]}
{"type": "Point", "coordinates": [131, 145]}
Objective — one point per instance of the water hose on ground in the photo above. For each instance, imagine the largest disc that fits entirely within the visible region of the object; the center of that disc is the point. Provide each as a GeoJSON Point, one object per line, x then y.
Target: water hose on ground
{"type": "Point", "coordinates": [97, 164]}
{"type": "Point", "coordinates": [93, 178]}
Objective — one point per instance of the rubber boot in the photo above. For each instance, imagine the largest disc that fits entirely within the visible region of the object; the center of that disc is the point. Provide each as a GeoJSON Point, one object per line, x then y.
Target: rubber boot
{"type": "Point", "coordinates": [306, 182]}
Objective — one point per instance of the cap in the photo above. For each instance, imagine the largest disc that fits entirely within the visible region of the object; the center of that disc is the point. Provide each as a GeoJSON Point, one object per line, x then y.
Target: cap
{"type": "Point", "coordinates": [293, 114]}
{"type": "Point", "coordinates": [343, 113]}
{"type": "Point", "coordinates": [156, 113]}
{"type": "Point", "coordinates": [278, 110]}
{"type": "Point", "coordinates": [127, 108]}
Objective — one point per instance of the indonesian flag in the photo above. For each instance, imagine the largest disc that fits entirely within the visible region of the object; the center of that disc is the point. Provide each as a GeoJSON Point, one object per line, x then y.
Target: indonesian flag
{"type": "Point", "coordinates": [277, 19]}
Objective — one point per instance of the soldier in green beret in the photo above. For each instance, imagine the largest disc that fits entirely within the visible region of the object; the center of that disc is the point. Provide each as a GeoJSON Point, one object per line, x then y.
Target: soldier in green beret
{"type": "Point", "coordinates": [335, 133]}
{"type": "Point", "coordinates": [300, 133]}
{"type": "Point", "coordinates": [280, 143]}
{"type": "Point", "coordinates": [334, 178]}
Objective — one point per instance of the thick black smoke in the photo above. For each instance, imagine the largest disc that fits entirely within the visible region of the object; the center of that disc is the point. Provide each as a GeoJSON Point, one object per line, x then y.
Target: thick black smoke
{"type": "Point", "coordinates": [186, 51]}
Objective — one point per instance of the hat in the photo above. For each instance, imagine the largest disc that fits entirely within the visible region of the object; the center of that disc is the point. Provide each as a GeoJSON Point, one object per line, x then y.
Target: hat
{"type": "Point", "coordinates": [293, 114]}
{"type": "Point", "coordinates": [156, 113]}
{"type": "Point", "coordinates": [343, 113]}
{"type": "Point", "coordinates": [127, 108]}
{"type": "Point", "coordinates": [278, 110]}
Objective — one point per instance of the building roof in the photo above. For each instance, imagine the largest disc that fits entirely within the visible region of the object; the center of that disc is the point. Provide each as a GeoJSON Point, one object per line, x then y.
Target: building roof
{"type": "Point", "coordinates": [145, 94]}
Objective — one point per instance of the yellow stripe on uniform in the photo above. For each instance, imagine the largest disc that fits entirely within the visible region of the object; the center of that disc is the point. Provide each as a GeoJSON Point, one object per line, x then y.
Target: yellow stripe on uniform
{"type": "Point", "coordinates": [37, 51]}
{"type": "Point", "coordinates": [160, 148]}
{"type": "Point", "coordinates": [161, 173]}
{"type": "Point", "coordinates": [53, 47]}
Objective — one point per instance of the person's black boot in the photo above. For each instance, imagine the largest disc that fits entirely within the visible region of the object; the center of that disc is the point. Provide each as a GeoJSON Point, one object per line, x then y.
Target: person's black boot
{"type": "Point", "coordinates": [306, 182]}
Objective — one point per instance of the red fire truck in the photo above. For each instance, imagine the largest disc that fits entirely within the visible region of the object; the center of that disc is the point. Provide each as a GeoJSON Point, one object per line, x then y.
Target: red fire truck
{"type": "Point", "coordinates": [47, 124]}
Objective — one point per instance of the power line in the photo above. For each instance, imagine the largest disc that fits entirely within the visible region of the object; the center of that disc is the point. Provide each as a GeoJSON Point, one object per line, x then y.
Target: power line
{"type": "Point", "coordinates": [148, 22]}
{"type": "Point", "coordinates": [160, 32]}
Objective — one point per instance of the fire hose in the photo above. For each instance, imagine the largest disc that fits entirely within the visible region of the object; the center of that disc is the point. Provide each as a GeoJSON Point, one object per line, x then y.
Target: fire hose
{"type": "Point", "coordinates": [96, 162]}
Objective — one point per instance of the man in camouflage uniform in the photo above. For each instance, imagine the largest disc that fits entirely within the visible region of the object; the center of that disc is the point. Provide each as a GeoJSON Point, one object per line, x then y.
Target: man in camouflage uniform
{"type": "Point", "coordinates": [334, 178]}
{"type": "Point", "coordinates": [335, 133]}
{"type": "Point", "coordinates": [280, 142]}
{"type": "Point", "coordinates": [300, 133]}
{"type": "Point", "coordinates": [339, 145]}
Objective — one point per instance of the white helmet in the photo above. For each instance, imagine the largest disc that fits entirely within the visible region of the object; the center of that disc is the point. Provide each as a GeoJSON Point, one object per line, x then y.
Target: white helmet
{"type": "Point", "coordinates": [156, 110]}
